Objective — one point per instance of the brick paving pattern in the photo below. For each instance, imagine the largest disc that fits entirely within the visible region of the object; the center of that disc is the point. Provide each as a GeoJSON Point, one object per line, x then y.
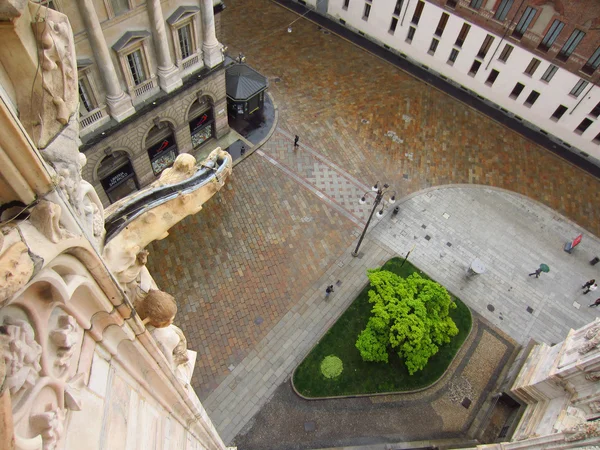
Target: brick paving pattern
{"type": "Point", "coordinates": [376, 121]}
{"type": "Point", "coordinates": [238, 265]}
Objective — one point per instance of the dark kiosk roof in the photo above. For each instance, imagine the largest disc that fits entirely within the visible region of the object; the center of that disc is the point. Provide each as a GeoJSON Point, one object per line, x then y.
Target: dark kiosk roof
{"type": "Point", "coordinates": [243, 82]}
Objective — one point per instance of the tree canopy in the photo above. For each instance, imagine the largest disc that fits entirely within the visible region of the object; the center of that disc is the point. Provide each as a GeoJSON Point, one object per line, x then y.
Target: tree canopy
{"type": "Point", "coordinates": [410, 316]}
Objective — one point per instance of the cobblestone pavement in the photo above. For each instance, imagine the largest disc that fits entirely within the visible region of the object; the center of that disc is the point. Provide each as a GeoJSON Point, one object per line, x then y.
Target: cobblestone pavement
{"type": "Point", "coordinates": [375, 121]}
{"type": "Point", "coordinates": [241, 263]}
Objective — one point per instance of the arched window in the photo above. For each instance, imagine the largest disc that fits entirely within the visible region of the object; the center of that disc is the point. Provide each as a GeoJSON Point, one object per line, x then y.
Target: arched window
{"type": "Point", "coordinates": [201, 120]}
{"type": "Point", "coordinates": [117, 176]}
{"type": "Point", "coordinates": [161, 147]}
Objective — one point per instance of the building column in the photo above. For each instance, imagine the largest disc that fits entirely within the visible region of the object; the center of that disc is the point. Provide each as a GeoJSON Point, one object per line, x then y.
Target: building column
{"type": "Point", "coordinates": [211, 48]}
{"type": "Point", "coordinates": [119, 103]}
{"type": "Point", "coordinates": [169, 77]}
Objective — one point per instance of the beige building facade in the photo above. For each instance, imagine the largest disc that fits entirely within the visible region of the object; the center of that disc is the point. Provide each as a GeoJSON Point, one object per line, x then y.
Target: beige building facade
{"type": "Point", "coordinates": [151, 85]}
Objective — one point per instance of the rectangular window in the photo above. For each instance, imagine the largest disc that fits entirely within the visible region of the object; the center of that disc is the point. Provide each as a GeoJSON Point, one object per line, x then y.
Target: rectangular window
{"type": "Point", "coordinates": [418, 12]}
{"type": "Point", "coordinates": [596, 111]}
{"type": "Point", "coordinates": [558, 113]}
{"type": "Point", "coordinates": [524, 22]}
{"type": "Point", "coordinates": [460, 40]}
{"type": "Point", "coordinates": [119, 6]}
{"type": "Point", "coordinates": [442, 24]}
{"type": "Point", "coordinates": [85, 99]}
{"type": "Point", "coordinates": [532, 67]}
{"type": "Point", "coordinates": [474, 68]}
{"type": "Point", "coordinates": [451, 3]}
{"type": "Point", "coordinates": [433, 46]}
{"type": "Point", "coordinates": [593, 63]}
{"type": "Point", "coordinates": [453, 56]}
{"type": "Point", "coordinates": [531, 98]}
{"type": "Point", "coordinates": [517, 91]}
{"type": "Point", "coordinates": [570, 45]}
{"type": "Point", "coordinates": [503, 9]}
{"type": "Point", "coordinates": [398, 7]}
{"type": "Point", "coordinates": [584, 125]}
{"type": "Point", "coordinates": [393, 25]}
{"type": "Point", "coordinates": [346, 3]}
{"type": "Point", "coordinates": [411, 34]}
{"type": "Point", "coordinates": [136, 67]}
{"type": "Point", "coordinates": [549, 73]}
{"type": "Point", "coordinates": [596, 140]}
{"type": "Point", "coordinates": [578, 88]}
{"type": "Point", "coordinates": [367, 11]}
{"type": "Point", "coordinates": [551, 35]}
{"type": "Point", "coordinates": [487, 43]}
{"type": "Point", "coordinates": [506, 51]}
{"type": "Point", "coordinates": [475, 4]}
{"type": "Point", "coordinates": [185, 41]}
{"type": "Point", "coordinates": [492, 77]}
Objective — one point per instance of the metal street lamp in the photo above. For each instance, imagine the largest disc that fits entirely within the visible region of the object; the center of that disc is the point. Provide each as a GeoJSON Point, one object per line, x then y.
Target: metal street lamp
{"type": "Point", "coordinates": [380, 193]}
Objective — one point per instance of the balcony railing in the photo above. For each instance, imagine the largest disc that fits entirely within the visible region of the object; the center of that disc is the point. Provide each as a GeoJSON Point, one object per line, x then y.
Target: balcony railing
{"type": "Point", "coordinates": [92, 117]}
{"type": "Point", "coordinates": [190, 62]}
{"type": "Point", "coordinates": [144, 88]}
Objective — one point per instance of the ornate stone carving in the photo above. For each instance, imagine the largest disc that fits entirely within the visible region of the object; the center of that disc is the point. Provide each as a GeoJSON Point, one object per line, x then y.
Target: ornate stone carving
{"type": "Point", "coordinates": [58, 77]}
{"type": "Point", "coordinates": [592, 332]}
{"type": "Point", "coordinates": [590, 345]}
{"type": "Point", "coordinates": [594, 406]}
{"type": "Point", "coordinates": [16, 266]}
{"type": "Point", "coordinates": [45, 216]}
{"type": "Point", "coordinates": [50, 424]}
{"type": "Point", "coordinates": [593, 376]}
{"type": "Point", "coordinates": [130, 277]}
{"type": "Point", "coordinates": [22, 356]}
{"type": "Point", "coordinates": [183, 168]}
{"type": "Point", "coordinates": [158, 310]}
{"type": "Point", "coordinates": [65, 338]}
{"type": "Point", "coordinates": [581, 431]}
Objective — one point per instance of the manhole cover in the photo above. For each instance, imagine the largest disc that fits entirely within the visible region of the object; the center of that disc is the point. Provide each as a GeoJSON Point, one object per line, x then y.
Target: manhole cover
{"type": "Point", "coordinates": [423, 226]}
{"type": "Point", "coordinates": [529, 309]}
{"type": "Point", "coordinates": [258, 320]}
{"type": "Point", "coordinates": [490, 308]}
{"type": "Point", "coordinates": [405, 176]}
{"type": "Point", "coordinates": [466, 402]}
{"type": "Point", "coordinates": [427, 238]}
{"type": "Point", "coordinates": [310, 426]}
{"type": "Point", "coordinates": [449, 244]}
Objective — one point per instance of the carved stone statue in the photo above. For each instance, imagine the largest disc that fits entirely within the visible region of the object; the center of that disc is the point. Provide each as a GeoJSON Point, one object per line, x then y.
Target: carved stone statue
{"type": "Point", "coordinates": [22, 356]}
{"type": "Point", "coordinates": [157, 310]}
{"type": "Point", "coordinates": [45, 216]}
{"type": "Point", "coordinates": [581, 431]}
{"type": "Point", "coordinates": [16, 266]}
{"type": "Point", "coordinates": [593, 376]}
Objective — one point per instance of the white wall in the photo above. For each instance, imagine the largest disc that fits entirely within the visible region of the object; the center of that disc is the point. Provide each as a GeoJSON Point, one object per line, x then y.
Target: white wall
{"type": "Point", "coordinates": [551, 96]}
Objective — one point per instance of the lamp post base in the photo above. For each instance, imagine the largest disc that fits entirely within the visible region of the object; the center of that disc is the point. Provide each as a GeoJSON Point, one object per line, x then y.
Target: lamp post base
{"type": "Point", "coordinates": [354, 253]}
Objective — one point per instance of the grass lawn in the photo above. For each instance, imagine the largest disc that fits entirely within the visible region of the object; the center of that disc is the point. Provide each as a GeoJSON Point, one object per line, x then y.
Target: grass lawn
{"type": "Point", "coordinates": [360, 377]}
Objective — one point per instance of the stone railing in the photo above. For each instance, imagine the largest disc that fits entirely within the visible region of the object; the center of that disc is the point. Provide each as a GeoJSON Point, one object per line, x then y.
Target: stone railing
{"type": "Point", "coordinates": [190, 61]}
{"type": "Point", "coordinates": [92, 117]}
{"type": "Point", "coordinates": [143, 88]}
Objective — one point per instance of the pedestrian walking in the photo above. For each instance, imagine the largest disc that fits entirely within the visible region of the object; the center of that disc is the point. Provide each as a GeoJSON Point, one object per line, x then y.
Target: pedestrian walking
{"type": "Point", "coordinates": [536, 273]}
{"type": "Point", "coordinates": [591, 288]}
{"type": "Point", "coordinates": [296, 139]}
{"type": "Point", "coordinates": [328, 291]}
{"type": "Point", "coordinates": [596, 303]}
{"type": "Point", "coordinates": [588, 284]}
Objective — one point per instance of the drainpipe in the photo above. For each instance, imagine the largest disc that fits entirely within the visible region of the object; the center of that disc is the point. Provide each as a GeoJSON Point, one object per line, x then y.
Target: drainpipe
{"type": "Point", "coordinates": [583, 97]}
{"type": "Point", "coordinates": [404, 15]}
{"type": "Point", "coordinates": [504, 35]}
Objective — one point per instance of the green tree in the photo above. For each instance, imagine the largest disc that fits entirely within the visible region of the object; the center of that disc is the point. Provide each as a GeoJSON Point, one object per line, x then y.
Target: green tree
{"type": "Point", "coordinates": [410, 316]}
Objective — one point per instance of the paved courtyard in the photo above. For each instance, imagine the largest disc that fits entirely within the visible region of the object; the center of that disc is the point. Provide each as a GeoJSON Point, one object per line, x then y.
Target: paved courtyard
{"type": "Point", "coordinates": [249, 270]}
